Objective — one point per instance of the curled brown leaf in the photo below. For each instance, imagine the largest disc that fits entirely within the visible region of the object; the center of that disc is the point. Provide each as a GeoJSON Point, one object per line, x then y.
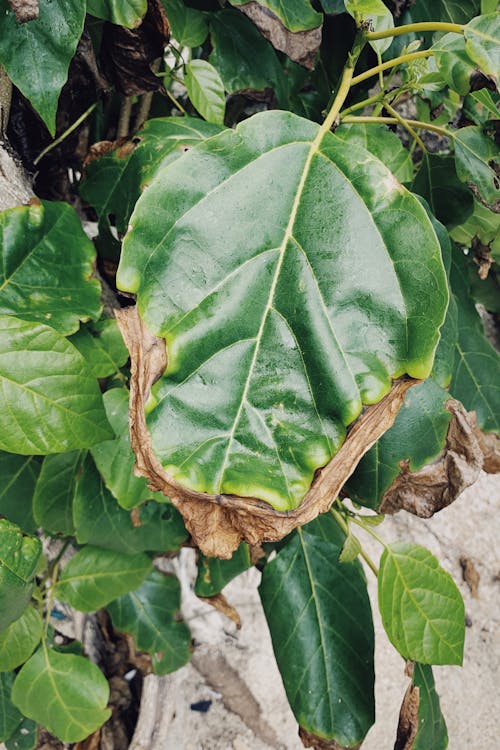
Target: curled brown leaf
{"type": "Point", "coordinates": [221, 604]}
{"type": "Point", "coordinates": [24, 10]}
{"type": "Point", "coordinates": [408, 719]}
{"type": "Point", "coordinates": [318, 743]}
{"type": "Point", "coordinates": [489, 443]}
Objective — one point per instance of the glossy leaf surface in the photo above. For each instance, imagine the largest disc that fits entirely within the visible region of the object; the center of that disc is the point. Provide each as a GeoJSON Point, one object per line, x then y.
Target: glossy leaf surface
{"type": "Point", "coordinates": [295, 15]}
{"type": "Point", "coordinates": [102, 346]}
{"type": "Point", "coordinates": [273, 343]}
{"type": "Point", "coordinates": [19, 475]}
{"type": "Point", "coordinates": [19, 556]}
{"type": "Point", "coordinates": [50, 401]}
{"type": "Point", "coordinates": [43, 277]}
{"type": "Point", "coordinates": [20, 639]}
{"type": "Point", "coordinates": [422, 609]}
{"type": "Point", "coordinates": [10, 718]}
{"type": "Point", "coordinates": [127, 13]}
{"type": "Point", "coordinates": [319, 616]}
{"type": "Point", "coordinates": [25, 737]}
{"type": "Point", "coordinates": [206, 90]}
{"type": "Point", "coordinates": [214, 574]}
{"type": "Point", "coordinates": [65, 693]}
{"type": "Point", "coordinates": [478, 160]}
{"type": "Point", "coordinates": [151, 615]}
{"type": "Point", "coordinates": [432, 730]}
{"type": "Point", "coordinates": [36, 55]}
{"type": "Point", "coordinates": [93, 577]}
{"type": "Point", "coordinates": [55, 489]}
{"type": "Point", "coordinates": [189, 26]}
{"type": "Point", "coordinates": [382, 143]}
{"type": "Point", "coordinates": [482, 42]}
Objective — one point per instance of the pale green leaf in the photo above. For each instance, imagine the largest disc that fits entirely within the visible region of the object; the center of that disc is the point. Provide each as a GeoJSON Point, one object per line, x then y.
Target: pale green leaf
{"type": "Point", "coordinates": [206, 90]}
{"type": "Point", "coordinates": [350, 550]}
{"type": "Point", "coordinates": [19, 556]}
{"type": "Point", "coordinates": [20, 639]}
{"type": "Point", "coordinates": [189, 26]}
{"type": "Point", "coordinates": [10, 718]}
{"type": "Point", "coordinates": [477, 160]}
{"type": "Point", "coordinates": [453, 62]}
{"type": "Point", "coordinates": [377, 14]}
{"type": "Point", "coordinates": [482, 42]}
{"type": "Point", "coordinates": [55, 489]}
{"type": "Point", "coordinates": [127, 13]}
{"type": "Point", "coordinates": [102, 346]}
{"type": "Point", "coordinates": [382, 143]}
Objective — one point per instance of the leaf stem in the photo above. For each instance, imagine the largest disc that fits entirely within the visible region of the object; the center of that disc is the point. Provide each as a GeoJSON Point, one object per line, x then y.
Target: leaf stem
{"type": "Point", "coordinates": [64, 135]}
{"type": "Point", "coordinates": [174, 100]}
{"type": "Point", "coordinates": [406, 125]}
{"type": "Point", "coordinates": [368, 529]}
{"type": "Point", "coordinates": [415, 28]}
{"type": "Point", "coordinates": [362, 104]}
{"type": "Point", "coordinates": [345, 83]}
{"type": "Point", "coordinates": [394, 121]}
{"type": "Point", "coordinates": [345, 528]}
{"type": "Point", "coordinates": [390, 64]}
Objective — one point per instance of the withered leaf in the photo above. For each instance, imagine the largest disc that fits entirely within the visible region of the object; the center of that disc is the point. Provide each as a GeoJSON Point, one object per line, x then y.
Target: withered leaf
{"type": "Point", "coordinates": [24, 10]}
{"type": "Point", "coordinates": [221, 604]}
{"type": "Point", "coordinates": [470, 575]}
{"type": "Point", "coordinates": [218, 523]}
{"type": "Point", "coordinates": [408, 719]}
{"type": "Point", "coordinates": [311, 740]}
{"type": "Point", "coordinates": [489, 443]}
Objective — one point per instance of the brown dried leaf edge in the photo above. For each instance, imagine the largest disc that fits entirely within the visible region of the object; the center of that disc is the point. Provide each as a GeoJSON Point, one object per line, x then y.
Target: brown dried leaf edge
{"type": "Point", "coordinates": [218, 523]}
{"type": "Point", "coordinates": [311, 740]}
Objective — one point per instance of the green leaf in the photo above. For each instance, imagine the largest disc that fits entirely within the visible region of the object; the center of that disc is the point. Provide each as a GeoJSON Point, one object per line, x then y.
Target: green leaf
{"type": "Point", "coordinates": [437, 182]}
{"type": "Point", "coordinates": [319, 616]}
{"type": "Point", "coordinates": [99, 520]}
{"type": "Point", "coordinates": [115, 458]}
{"type": "Point", "coordinates": [25, 737]}
{"type": "Point", "coordinates": [19, 475]}
{"type": "Point", "coordinates": [477, 160]}
{"type": "Point", "coordinates": [376, 14]}
{"type": "Point", "coordinates": [102, 346]}
{"type": "Point", "coordinates": [295, 15]}
{"type": "Point", "coordinates": [350, 550]}
{"type": "Point", "coordinates": [10, 718]}
{"type": "Point", "coordinates": [20, 639]}
{"type": "Point", "coordinates": [114, 182]}
{"type": "Point", "coordinates": [273, 344]}
{"type": "Point", "coordinates": [127, 13]}
{"type": "Point", "coordinates": [151, 615]}
{"type": "Point", "coordinates": [432, 732]}
{"type": "Point", "coordinates": [418, 435]}
{"type": "Point", "coordinates": [189, 26]}
{"type": "Point", "coordinates": [448, 11]}
{"type": "Point", "coordinates": [482, 42]}
{"type": "Point", "coordinates": [37, 54]}
{"type": "Point", "coordinates": [422, 609]}
{"type": "Point", "coordinates": [19, 556]}
{"type": "Point", "coordinates": [93, 577]}
{"type": "Point", "coordinates": [55, 489]}
{"type": "Point", "coordinates": [488, 6]}
{"type": "Point", "coordinates": [65, 693]}
{"type": "Point", "coordinates": [482, 106]}
{"type": "Point", "coordinates": [51, 403]}
{"type": "Point", "coordinates": [453, 62]}
{"type": "Point", "coordinates": [43, 278]}
{"type": "Point", "coordinates": [382, 143]}
{"type": "Point", "coordinates": [483, 224]}
{"type": "Point", "coordinates": [214, 574]}
{"type": "Point", "coordinates": [206, 90]}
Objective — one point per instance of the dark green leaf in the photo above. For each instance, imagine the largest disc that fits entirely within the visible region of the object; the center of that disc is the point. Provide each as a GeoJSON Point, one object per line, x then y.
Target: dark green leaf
{"type": "Point", "coordinates": [43, 278]}
{"type": "Point", "coordinates": [51, 403]}
{"type": "Point", "coordinates": [214, 574]}
{"type": "Point", "coordinates": [102, 346]}
{"type": "Point", "coordinates": [55, 489]}
{"type": "Point", "coordinates": [127, 13]}
{"type": "Point", "coordinates": [482, 42]}
{"type": "Point", "coordinates": [295, 15]}
{"type": "Point", "coordinates": [19, 556]}
{"type": "Point", "coordinates": [151, 615]}
{"type": "Point", "coordinates": [37, 54]}
{"type": "Point", "coordinates": [19, 475]}
{"type": "Point", "coordinates": [382, 143]}
{"type": "Point", "coordinates": [25, 737]}
{"type": "Point", "coordinates": [93, 577]}
{"type": "Point", "coordinates": [376, 14]}
{"type": "Point", "coordinates": [189, 26]}
{"type": "Point", "coordinates": [114, 182]}
{"type": "Point", "coordinates": [453, 62]}
{"type": "Point", "coordinates": [437, 182]}
{"type": "Point", "coordinates": [65, 693]}
{"type": "Point", "coordinates": [10, 718]}
{"type": "Point", "coordinates": [477, 161]}
{"type": "Point", "coordinates": [448, 11]}
{"type": "Point", "coordinates": [333, 6]}
{"type": "Point", "coordinates": [99, 520]}
{"type": "Point", "coordinates": [319, 616]}
{"type": "Point", "coordinates": [273, 342]}
{"type": "Point", "coordinates": [206, 90]}
{"type": "Point", "coordinates": [422, 609]}
{"type": "Point", "coordinates": [432, 732]}
{"type": "Point", "coordinates": [20, 639]}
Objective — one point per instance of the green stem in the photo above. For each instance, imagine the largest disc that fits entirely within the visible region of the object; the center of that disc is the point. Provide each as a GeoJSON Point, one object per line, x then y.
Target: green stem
{"type": "Point", "coordinates": [415, 28]}
{"type": "Point", "coordinates": [362, 104]}
{"type": "Point", "coordinates": [406, 125]}
{"type": "Point", "coordinates": [64, 135]}
{"type": "Point", "coordinates": [394, 121]}
{"type": "Point", "coordinates": [391, 64]}
{"type": "Point", "coordinates": [344, 85]}
{"type": "Point", "coordinates": [345, 528]}
{"type": "Point", "coordinates": [174, 100]}
{"type": "Point", "coordinates": [368, 529]}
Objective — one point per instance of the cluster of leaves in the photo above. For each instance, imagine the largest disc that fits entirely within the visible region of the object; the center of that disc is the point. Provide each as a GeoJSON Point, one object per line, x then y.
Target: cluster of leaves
{"type": "Point", "coordinates": [274, 344]}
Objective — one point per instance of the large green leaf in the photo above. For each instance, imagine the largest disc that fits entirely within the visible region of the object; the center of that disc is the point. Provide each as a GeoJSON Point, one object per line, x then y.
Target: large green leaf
{"type": "Point", "coordinates": [295, 15]}
{"type": "Point", "coordinates": [151, 615]}
{"type": "Point", "coordinates": [114, 182]}
{"type": "Point", "coordinates": [377, 14]}
{"type": "Point", "coordinates": [417, 435]}
{"type": "Point", "coordinates": [42, 276]}
{"type": "Point", "coordinates": [449, 11]}
{"type": "Point", "coordinates": [319, 616]}
{"type": "Point", "coordinates": [19, 475]}
{"type": "Point", "coordinates": [206, 90]}
{"type": "Point", "coordinates": [102, 346]}
{"type": "Point", "coordinates": [189, 26]}
{"type": "Point", "coordinates": [436, 181]}
{"type": "Point", "coordinates": [127, 13]}
{"type": "Point", "coordinates": [422, 609]}
{"type": "Point", "coordinates": [65, 693]}
{"type": "Point", "coordinates": [482, 42]}
{"type": "Point", "coordinates": [382, 143]}
{"type": "Point", "coordinates": [37, 54]}
{"type": "Point", "coordinates": [50, 401]}
{"type": "Point", "coordinates": [55, 489]}
{"type": "Point", "coordinates": [93, 577]}
{"type": "Point", "coordinates": [300, 304]}
{"type": "Point", "coordinates": [478, 162]}
{"type": "Point", "coordinates": [10, 718]}
{"type": "Point", "coordinates": [100, 521]}
{"type": "Point", "coordinates": [214, 574]}
{"type": "Point", "coordinates": [20, 639]}
{"type": "Point", "coordinates": [19, 556]}
{"type": "Point", "coordinates": [431, 732]}
{"type": "Point", "coordinates": [453, 62]}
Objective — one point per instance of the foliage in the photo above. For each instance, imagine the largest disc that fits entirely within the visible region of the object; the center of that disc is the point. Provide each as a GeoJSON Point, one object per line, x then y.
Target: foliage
{"type": "Point", "coordinates": [284, 227]}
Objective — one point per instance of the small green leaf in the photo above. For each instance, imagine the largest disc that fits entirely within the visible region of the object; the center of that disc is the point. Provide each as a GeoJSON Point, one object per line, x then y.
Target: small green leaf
{"type": "Point", "coordinates": [51, 403]}
{"type": "Point", "coordinates": [422, 609]}
{"type": "Point", "coordinates": [42, 277]}
{"type": "Point", "coordinates": [453, 62]}
{"type": "Point", "coordinates": [20, 639]}
{"type": "Point", "coordinates": [437, 182]}
{"type": "Point", "coordinates": [189, 26]}
{"type": "Point", "coordinates": [214, 574]}
{"type": "Point", "coordinates": [482, 106]}
{"type": "Point", "coordinates": [10, 718]}
{"type": "Point", "coordinates": [431, 732]}
{"type": "Point", "coordinates": [206, 90]}
{"type": "Point", "coordinates": [19, 475]}
{"type": "Point", "coordinates": [482, 42]}
{"type": "Point", "coordinates": [295, 15]}
{"type": "Point", "coordinates": [19, 556]}
{"type": "Point", "coordinates": [93, 577]}
{"type": "Point", "coordinates": [151, 615]}
{"type": "Point", "coordinates": [375, 13]}
{"type": "Point", "coordinates": [350, 550]}
{"type": "Point", "coordinates": [477, 160]}
{"type": "Point", "coordinates": [25, 737]}
{"type": "Point", "coordinates": [37, 54]}
{"type": "Point", "coordinates": [65, 693]}
{"type": "Point", "coordinates": [127, 13]}
{"type": "Point", "coordinates": [382, 143]}
{"type": "Point", "coordinates": [55, 489]}
{"type": "Point", "coordinates": [319, 616]}
{"type": "Point", "coordinates": [102, 346]}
